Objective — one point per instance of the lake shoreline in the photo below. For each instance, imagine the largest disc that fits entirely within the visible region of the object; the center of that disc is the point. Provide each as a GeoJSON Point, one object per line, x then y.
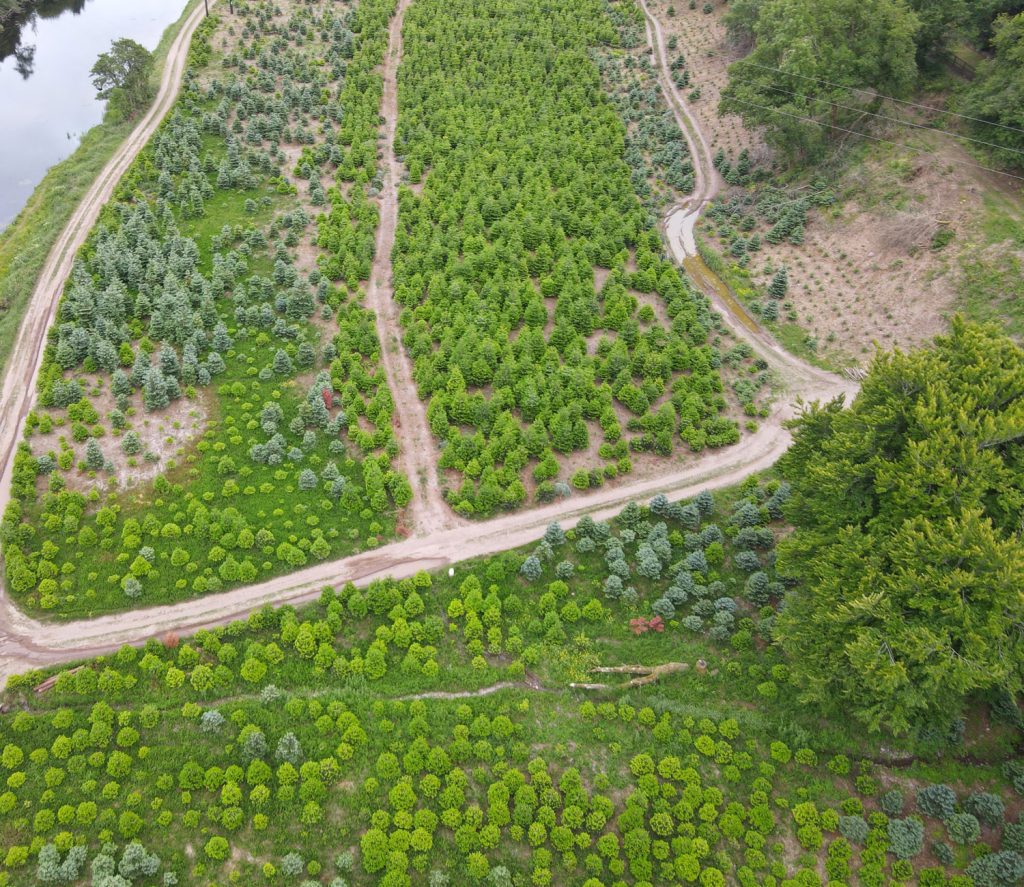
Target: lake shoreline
{"type": "Point", "coordinates": [26, 242]}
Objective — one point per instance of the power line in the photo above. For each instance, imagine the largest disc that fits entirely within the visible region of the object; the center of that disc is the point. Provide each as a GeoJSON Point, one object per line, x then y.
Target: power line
{"type": "Point", "coordinates": [898, 120]}
{"type": "Point", "coordinates": [746, 61]}
{"type": "Point", "coordinates": [854, 132]}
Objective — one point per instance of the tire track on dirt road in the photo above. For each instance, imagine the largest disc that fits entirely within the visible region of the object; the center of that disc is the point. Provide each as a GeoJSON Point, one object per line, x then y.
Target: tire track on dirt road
{"type": "Point", "coordinates": [417, 451]}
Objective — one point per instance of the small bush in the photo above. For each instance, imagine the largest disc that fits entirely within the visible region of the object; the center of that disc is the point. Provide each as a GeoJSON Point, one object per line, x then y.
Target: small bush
{"type": "Point", "coordinates": [963, 828]}
{"type": "Point", "coordinates": [996, 869]}
{"type": "Point", "coordinates": [937, 800]}
{"type": "Point", "coordinates": [906, 837]}
{"type": "Point", "coordinates": [892, 802]}
{"type": "Point", "coordinates": [217, 848]}
{"type": "Point", "coordinates": [854, 829]}
{"type": "Point", "coordinates": [989, 808]}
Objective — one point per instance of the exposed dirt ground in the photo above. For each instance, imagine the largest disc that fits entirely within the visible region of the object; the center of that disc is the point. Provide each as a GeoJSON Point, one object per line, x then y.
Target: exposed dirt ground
{"type": "Point", "coordinates": [418, 457]}
{"type": "Point", "coordinates": [866, 272]}
{"type": "Point", "coordinates": [164, 435]}
{"type": "Point", "coordinates": [702, 42]}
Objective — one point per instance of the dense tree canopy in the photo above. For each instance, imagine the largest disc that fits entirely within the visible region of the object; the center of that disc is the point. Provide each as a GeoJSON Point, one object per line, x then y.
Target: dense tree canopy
{"type": "Point", "coordinates": [809, 57]}
{"type": "Point", "coordinates": [384, 736]}
{"type": "Point", "coordinates": [996, 97]}
{"type": "Point", "coordinates": [982, 15]}
{"type": "Point", "coordinates": [907, 554]}
{"type": "Point", "coordinates": [520, 351]}
{"type": "Point", "coordinates": [940, 21]}
{"type": "Point", "coordinates": [189, 290]}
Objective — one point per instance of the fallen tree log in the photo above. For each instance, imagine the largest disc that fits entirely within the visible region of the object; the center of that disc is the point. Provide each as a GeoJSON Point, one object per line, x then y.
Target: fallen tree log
{"type": "Point", "coordinates": [645, 674]}
{"type": "Point", "coordinates": [52, 680]}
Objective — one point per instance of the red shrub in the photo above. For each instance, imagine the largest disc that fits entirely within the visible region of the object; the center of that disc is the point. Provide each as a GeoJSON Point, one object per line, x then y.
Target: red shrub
{"type": "Point", "coordinates": [640, 625]}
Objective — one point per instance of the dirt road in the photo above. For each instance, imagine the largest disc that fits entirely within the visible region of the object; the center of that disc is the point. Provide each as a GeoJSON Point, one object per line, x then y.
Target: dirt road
{"type": "Point", "coordinates": [418, 455]}
{"type": "Point", "coordinates": [441, 540]}
{"type": "Point", "coordinates": [800, 378]}
{"type": "Point", "coordinates": [680, 220]}
{"type": "Point", "coordinates": [26, 643]}
{"type": "Point", "coordinates": [17, 395]}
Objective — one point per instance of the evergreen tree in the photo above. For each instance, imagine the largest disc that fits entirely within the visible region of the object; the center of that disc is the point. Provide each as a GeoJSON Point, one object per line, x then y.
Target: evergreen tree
{"type": "Point", "coordinates": [130, 443]}
{"type": "Point", "coordinates": [906, 551]}
{"type": "Point", "coordinates": [169, 362]}
{"type": "Point", "coordinates": [214, 367]}
{"type": "Point", "coordinates": [305, 357]}
{"type": "Point", "coordinates": [106, 356]}
{"type": "Point", "coordinates": [283, 363]}
{"type": "Point", "coordinates": [780, 284]}
{"type": "Point", "coordinates": [120, 385]}
{"type": "Point", "coordinates": [140, 369]}
{"type": "Point", "coordinates": [93, 455]}
{"type": "Point", "coordinates": [154, 390]}
{"type": "Point", "coordinates": [189, 365]}
{"type": "Point", "coordinates": [65, 356]}
{"type": "Point", "coordinates": [221, 339]}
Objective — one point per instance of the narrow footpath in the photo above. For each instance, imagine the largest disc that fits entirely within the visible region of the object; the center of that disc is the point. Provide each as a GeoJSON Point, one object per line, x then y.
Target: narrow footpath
{"type": "Point", "coordinates": [418, 455]}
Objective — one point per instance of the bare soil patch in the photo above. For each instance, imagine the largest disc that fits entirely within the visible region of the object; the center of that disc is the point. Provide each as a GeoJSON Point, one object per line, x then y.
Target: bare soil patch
{"type": "Point", "coordinates": [866, 272]}
{"type": "Point", "coordinates": [164, 435]}
{"type": "Point", "coordinates": [702, 42]}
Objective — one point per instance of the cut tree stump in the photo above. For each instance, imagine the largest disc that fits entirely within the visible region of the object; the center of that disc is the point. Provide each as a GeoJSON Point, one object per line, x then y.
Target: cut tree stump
{"type": "Point", "coordinates": [645, 674]}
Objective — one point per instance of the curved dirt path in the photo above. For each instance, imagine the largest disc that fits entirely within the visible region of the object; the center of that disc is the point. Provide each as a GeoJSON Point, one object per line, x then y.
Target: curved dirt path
{"type": "Point", "coordinates": [27, 643]}
{"type": "Point", "coordinates": [17, 395]}
{"type": "Point", "coordinates": [417, 455]}
{"type": "Point", "coordinates": [707, 182]}
{"type": "Point", "coordinates": [801, 379]}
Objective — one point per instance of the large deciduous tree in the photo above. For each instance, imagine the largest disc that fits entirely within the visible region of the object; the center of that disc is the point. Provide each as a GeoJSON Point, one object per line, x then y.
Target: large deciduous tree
{"type": "Point", "coordinates": [812, 56]}
{"type": "Point", "coordinates": [996, 97]}
{"type": "Point", "coordinates": [907, 555]}
{"type": "Point", "coordinates": [940, 21]}
{"type": "Point", "coordinates": [122, 76]}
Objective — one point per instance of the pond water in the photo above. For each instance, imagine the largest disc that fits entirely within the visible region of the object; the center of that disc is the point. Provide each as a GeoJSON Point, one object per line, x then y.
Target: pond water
{"type": "Point", "coordinates": [47, 100]}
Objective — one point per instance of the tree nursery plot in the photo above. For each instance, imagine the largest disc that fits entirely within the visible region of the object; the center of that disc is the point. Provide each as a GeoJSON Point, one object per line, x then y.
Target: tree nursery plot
{"type": "Point", "coordinates": [210, 407]}
{"type": "Point", "coordinates": [867, 136]}
{"type": "Point", "coordinates": [550, 335]}
{"type": "Point", "coordinates": [810, 678]}
{"type": "Point", "coordinates": [662, 170]}
{"type": "Point", "coordinates": [427, 732]}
